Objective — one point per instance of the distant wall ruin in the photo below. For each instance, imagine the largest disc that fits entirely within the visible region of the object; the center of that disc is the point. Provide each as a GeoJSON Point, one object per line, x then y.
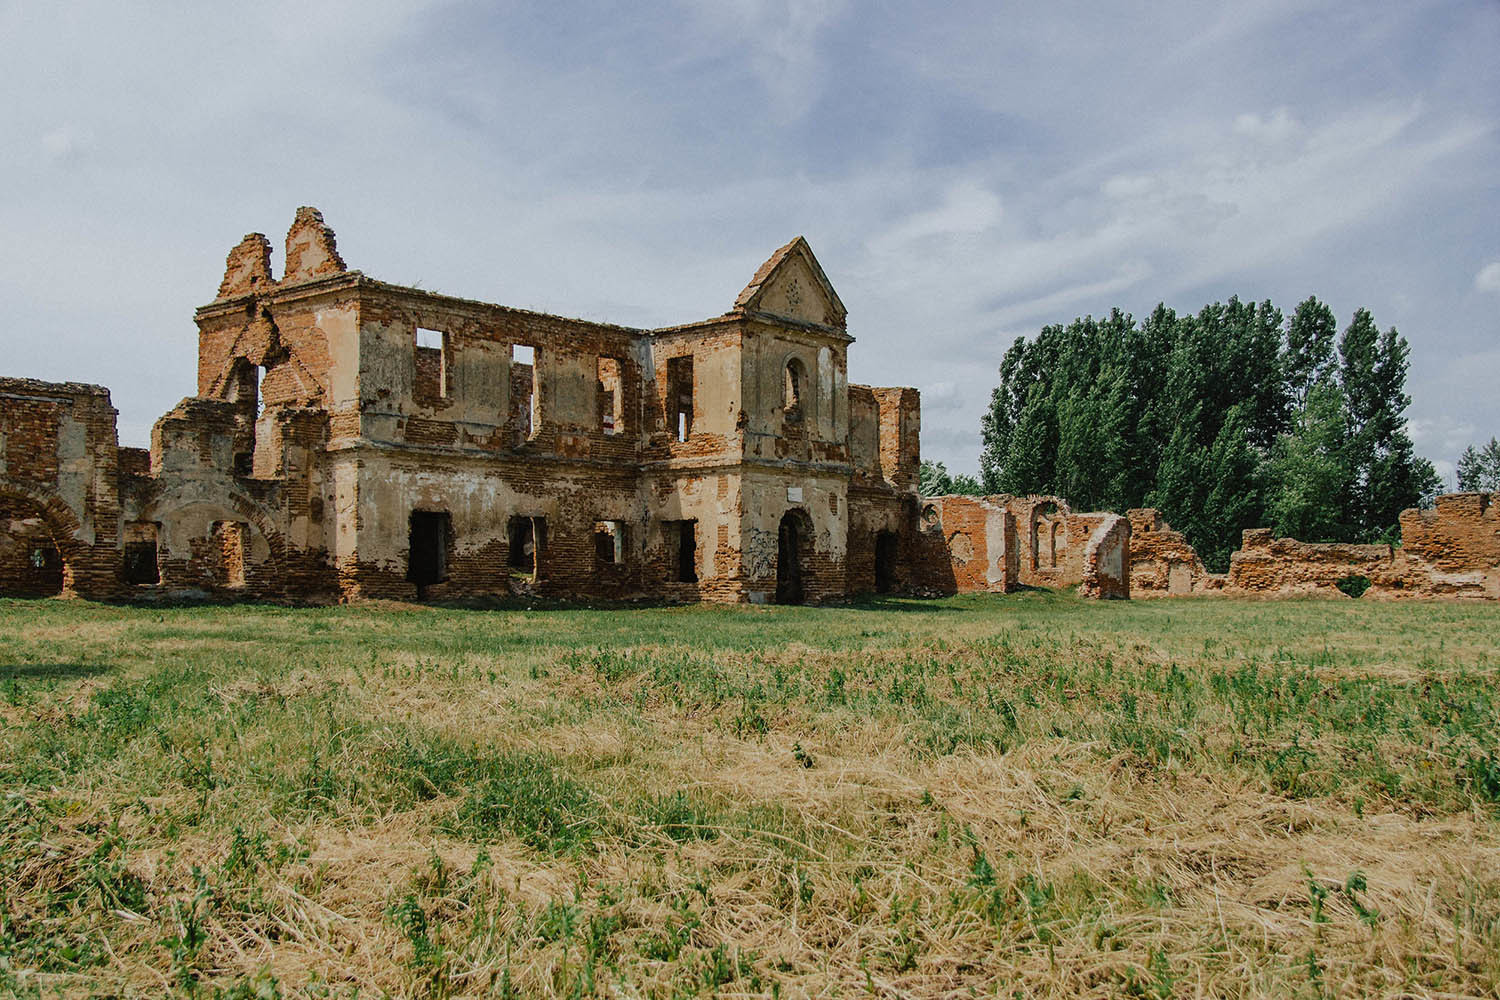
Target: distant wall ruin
{"type": "Point", "coordinates": [999, 543]}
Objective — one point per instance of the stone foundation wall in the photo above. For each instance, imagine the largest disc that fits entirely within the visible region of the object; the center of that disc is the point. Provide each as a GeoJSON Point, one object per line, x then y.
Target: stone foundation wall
{"type": "Point", "coordinates": [1452, 550]}
{"type": "Point", "coordinates": [1284, 566]}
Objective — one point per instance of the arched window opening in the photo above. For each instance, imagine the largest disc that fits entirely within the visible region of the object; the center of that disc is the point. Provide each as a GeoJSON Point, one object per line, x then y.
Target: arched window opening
{"type": "Point", "coordinates": [794, 385]}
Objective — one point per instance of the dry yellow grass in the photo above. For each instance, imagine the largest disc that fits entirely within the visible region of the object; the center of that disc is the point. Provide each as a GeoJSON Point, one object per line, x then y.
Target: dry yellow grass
{"type": "Point", "coordinates": [981, 796]}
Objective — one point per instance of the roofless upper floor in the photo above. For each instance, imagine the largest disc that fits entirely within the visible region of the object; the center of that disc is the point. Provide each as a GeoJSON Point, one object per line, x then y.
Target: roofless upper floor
{"type": "Point", "coordinates": [397, 366]}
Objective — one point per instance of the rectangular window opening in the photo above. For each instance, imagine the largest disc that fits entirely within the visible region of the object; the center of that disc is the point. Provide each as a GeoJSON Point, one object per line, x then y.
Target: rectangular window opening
{"type": "Point", "coordinates": [427, 553]}
{"type": "Point", "coordinates": [611, 397]}
{"type": "Point", "coordinates": [609, 543]}
{"type": "Point", "coordinates": [432, 363]}
{"type": "Point", "coordinates": [680, 396]}
{"type": "Point", "coordinates": [141, 566]}
{"type": "Point", "coordinates": [526, 536]}
{"type": "Point", "coordinates": [526, 388]}
{"type": "Point", "coordinates": [682, 549]}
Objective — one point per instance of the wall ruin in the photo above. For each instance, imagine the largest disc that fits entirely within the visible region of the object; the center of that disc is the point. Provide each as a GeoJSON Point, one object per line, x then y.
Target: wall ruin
{"type": "Point", "coordinates": [350, 438]}
{"type": "Point", "coordinates": [1452, 550]}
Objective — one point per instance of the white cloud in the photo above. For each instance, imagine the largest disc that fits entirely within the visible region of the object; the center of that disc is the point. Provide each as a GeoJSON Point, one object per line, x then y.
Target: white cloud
{"type": "Point", "coordinates": [1488, 278]}
{"type": "Point", "coordinates": [968, 207]}
{"type": "Point", "coordinates": [65, 143]}
{"type": "Point", "coordinates": [1276, 127]}
{"type": "Point", "coordinates": [782, 37]}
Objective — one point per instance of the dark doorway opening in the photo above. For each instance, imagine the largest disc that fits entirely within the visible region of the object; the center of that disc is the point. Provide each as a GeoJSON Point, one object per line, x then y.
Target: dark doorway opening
{"type": "Point", "coordinates": [791, 538]}
{"type": "Point", "coordinates": [886, 550]}
{"type": "Point", "coordinates": [526, 536]}
{"type": "Point", "coordinates": [427, 559]}
{"type": "Point", "coordinates": [683, 537]}
{"type": "Point", "coordinates": [140, 562]}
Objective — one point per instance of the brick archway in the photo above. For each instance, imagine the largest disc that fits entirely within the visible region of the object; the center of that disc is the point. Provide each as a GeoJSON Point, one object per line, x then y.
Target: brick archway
{"type": "Point", "coordinates": [237, 505]}
{"type": "Point", "coordinates": [60, 523]}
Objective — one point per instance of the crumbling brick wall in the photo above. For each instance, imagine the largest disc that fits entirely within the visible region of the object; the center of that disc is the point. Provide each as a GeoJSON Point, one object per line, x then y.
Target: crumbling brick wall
{"type": "Point", "coordinates": [1265, 564]}
{"type": "Point", "coordinates": [968, 545]}
{"type": "Point", "coordinates": [350, 438]}
{"type": "Point", "coordinates": [1162, 562]}
{"type": "Point", "coordinates": [1452, 550]}
{"type": "Point", "coordinates": [59, 488]}
{"type": "Point", "coordinates": [1106, 560]}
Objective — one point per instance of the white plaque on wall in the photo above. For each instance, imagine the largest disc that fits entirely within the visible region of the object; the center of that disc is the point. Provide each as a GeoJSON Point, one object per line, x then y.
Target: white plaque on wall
{"type": "Point", "coordinates": [794, 494]}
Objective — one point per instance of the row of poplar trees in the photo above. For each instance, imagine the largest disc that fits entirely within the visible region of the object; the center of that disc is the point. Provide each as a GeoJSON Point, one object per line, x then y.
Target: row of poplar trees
{"type": "Point", "coordinates": [1232, 418]}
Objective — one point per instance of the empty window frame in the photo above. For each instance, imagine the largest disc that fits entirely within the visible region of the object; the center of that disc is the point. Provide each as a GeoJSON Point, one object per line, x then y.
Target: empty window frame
{"type": "Point", "coordinates": [432, 363]}
{"type": "Point", "coordinates": [611, 397]}
{"type": "Point", "coordinates": [794, 386]}
{"type": "Point", "coordinates": [526, 536]}
{"type": "Point", "coordinates": [141, 562]}
{"type": "Point", "coordinates": [230, 547]}
{"type": "Point", "coordinates": [680, 396]}
{"type": "Point", "coordinates": [427, 552]}
{"type": "Point", "coordinates": [609, 543]}
{"type": "Point", "coordinates": [245, 385]}
{"type": "Point", "coordinates": [682, 550]}
{"type": "Point", "coordinates": [525, 386]}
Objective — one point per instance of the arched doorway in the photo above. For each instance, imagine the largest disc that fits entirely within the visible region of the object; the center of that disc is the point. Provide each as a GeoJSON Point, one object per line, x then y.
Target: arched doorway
{"type": "Point", "coordinates": [32, 562]}
{"type": "Point", "coordinates": [793, 546]}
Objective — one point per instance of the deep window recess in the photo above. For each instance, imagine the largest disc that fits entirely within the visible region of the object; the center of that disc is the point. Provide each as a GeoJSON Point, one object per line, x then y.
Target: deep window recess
{"type": "Point", "coordinates": [427, 557]}
{"type": "Point", "coordinates": [682, 550]}
{"type": "Point", "coordinates": [525, 382]}
{"type": "Point", "coordinates": [680, 396]}
{"type": "Point", "coordinates": [141, 566]}
{"type": "Point", "coordinates": [611, 403]}
{"type": "Point", "coordinates": [526, 535]}
{"type": "Point", "coordinates": [794, 385]}
{"type": "Point", "coordinates": [432, 363]}
{"type": "Point", "coordinates": [609, 543]}
{"type": "Point", "coordinates": [229, 543]}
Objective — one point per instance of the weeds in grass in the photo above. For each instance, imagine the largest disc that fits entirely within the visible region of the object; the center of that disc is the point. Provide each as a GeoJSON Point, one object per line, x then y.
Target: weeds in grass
{"type": "Point", "coordinates": [264, 802]}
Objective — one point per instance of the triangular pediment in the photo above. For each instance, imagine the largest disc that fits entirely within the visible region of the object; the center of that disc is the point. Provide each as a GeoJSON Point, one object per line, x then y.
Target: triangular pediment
{"type": "Point", "coordinates": [792, 285]}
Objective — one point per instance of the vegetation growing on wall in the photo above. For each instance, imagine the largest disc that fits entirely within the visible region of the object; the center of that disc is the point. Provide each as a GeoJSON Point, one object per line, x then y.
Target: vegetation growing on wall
{"type": "Point", "coordinates": [1235, 417]}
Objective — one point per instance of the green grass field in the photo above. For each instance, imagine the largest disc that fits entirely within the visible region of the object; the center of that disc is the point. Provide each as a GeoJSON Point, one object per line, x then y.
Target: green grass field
{"type": "Point", "coordinates": [978, 796]}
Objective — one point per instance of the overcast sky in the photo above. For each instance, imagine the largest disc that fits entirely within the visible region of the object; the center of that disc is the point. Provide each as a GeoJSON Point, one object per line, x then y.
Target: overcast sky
{"type": "Point", "coordinates": [965, 172]}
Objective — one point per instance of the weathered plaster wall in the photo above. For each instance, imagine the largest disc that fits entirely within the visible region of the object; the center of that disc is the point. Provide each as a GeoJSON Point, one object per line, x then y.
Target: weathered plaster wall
{"type": "Point", "coordinates": [1162, 563]}
{"type": "Point", "coordinates": [1106, 560]}
{"type": "Point", "coordinates": [968, 544]}
{"type": "Point", "coordinates": [331, 408]}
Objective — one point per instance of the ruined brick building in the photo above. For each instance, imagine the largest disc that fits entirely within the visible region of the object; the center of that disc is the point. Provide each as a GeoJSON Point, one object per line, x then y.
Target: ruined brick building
{"type": "Point", "coordinates": [351, 438]}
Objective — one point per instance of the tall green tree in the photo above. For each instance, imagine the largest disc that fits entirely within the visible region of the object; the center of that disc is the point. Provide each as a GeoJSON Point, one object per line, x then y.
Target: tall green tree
{"type": "Point", "coordinates": [1479, 468]}
{"type": "Point", "coordinates": [1386, 476]}
{"type": "Point", "coordinates": [1231, 417]}
{"type": "Point", "coordinates": [1308, 466]}
{"type": "Point", "coordinates": [934, 480]}
{"type": "Point", "coordinates": [1308, 360]}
